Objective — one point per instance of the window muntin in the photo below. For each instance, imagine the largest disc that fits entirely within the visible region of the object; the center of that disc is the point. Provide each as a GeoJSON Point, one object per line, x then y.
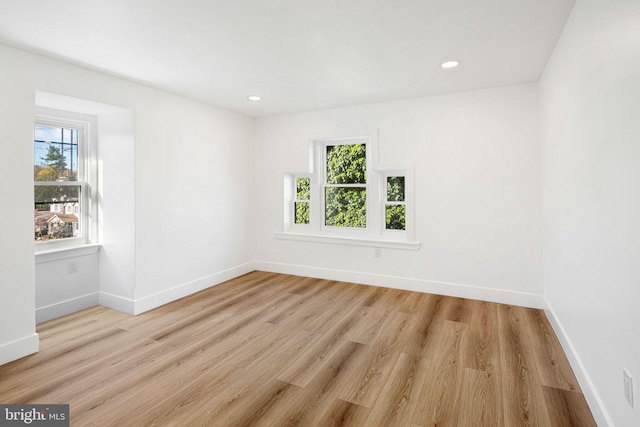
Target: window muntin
{"type": "Point", "coordinates": [59, 181]}
{"type": "Point", "coordinates": [395, 203]}
{"type": "Point", "coordinates": [345, 185]}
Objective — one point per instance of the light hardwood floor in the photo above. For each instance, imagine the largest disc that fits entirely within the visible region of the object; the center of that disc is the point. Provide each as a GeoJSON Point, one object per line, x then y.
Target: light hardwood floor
{"type": "Point", "coordinates": [275, 350]}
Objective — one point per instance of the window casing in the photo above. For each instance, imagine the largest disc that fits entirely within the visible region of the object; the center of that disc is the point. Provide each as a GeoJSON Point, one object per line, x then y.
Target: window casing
{"type": "Point", "coordinates": [63, 179]}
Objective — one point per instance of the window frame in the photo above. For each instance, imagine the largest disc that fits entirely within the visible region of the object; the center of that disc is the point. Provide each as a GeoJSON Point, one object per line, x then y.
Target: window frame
{"type": "Point", "coordinates": [290, 201]}
{"type": "Point", "coordinates": [322, 169]}
{"type": "Point", "coordinates": [385, 199]}
{"type": "Point", "coordinates": [86, 178]}
{"type": "Point", "coordinates": [296, 200]}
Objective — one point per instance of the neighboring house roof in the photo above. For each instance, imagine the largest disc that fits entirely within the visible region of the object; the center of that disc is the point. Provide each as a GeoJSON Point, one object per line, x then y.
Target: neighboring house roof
{"type": "Point", "coordinates": [41, 219]}
{"type": "Point", "coordinates": [65, 218]}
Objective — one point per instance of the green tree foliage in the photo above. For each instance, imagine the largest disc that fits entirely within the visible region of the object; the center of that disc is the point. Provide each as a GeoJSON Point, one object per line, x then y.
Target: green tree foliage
{"type": "Point", "coordinates": [302, 212]}
{"type": "Point", "coordinates": [395, 217]}
{"type": "Point", "coordinates": [395, 212]}
{"type": "Point", "coordinates": [49, 173]}
{"type": "Point", "coordinates": [346, 206]}
{"type": "Point", "coordinates": [346, 164]}
{"type": "Point", "coordinates": [395, 188]}
{"type": "Point", "coordinates": [303, 188]}
{"type": "Point", "coordinates": [303, 192]}
{"type": "Point", "coordinates": [55, 169]}
{"type": "Point", "coordinates": [55, 160]}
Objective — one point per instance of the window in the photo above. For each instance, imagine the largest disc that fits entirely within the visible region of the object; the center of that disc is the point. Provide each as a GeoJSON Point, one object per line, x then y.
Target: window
{"type": "Point", "coordinates": [61, 185]}
{"type": "Point", "coordinates": [395, 205]}
{"type": "Point", "coordinates": [301, 204]}
{"type": "Point", "coordinates": [345, 185]}
{"type": "Point", "coordinates": [347, 197]}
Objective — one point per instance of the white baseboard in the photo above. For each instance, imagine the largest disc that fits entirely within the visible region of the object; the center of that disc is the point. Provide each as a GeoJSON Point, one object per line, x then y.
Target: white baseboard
{"type": "Point", "coordinates": [19, 348]}
{"type": "Point", "coordinates": [441, 288]}
{"type": "Point", "coordinates": [140, 305]}
{"type": "Point", "coordinates": [588, 389]}
{"type": "Point", "coordinates": [66, 307]}
{"type": "Point", "coordinates": [117, 302]}
{"type": "Point", "coordinates": [156, 300]}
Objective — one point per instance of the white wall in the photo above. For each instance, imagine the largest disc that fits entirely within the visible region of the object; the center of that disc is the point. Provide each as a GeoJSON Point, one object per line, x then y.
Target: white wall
{"type": "Point", "coordinates": [477, 191]}
{"type": "Point", "coordinates": [193, 199]}
{"type": "Point", "coordinates": [17, 272]}
{"type": "Point", "coordinates": [590, 103]}
{"type": "Point", "coordinates": [61, 290]}
{"type": "Point", "coordinates": [116, 208]}
{"type": "Point", "coordinates": [192, 184]}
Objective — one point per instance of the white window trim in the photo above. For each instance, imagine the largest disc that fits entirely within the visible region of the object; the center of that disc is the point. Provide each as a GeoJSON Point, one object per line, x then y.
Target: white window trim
{"type": "Point", "coordinates": [291, 199]}
{"type": "Point", "coordinates": [375, 234]}
{"type": "Point", "coordinates": [87, 161]}
{"type": "Point", "coordinates": [406, 170]}
{"type": "Point", "coordinates": [321, 159]}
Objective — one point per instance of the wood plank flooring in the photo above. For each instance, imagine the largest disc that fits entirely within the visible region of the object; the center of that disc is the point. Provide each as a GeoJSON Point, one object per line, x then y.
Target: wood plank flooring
{"type": "Point", "coordinates": [276, 350]}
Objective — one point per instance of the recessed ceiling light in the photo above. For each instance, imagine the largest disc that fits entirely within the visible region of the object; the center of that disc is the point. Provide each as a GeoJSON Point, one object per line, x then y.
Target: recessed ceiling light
{"type": "Point", "coordinates": [254, 98]}
{"type": "Point", "coordinates": [450, 64]}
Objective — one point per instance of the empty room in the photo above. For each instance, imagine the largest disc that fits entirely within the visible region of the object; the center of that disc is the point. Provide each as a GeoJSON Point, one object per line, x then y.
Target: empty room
{"type": "Point", "coordinates": [358, 213]}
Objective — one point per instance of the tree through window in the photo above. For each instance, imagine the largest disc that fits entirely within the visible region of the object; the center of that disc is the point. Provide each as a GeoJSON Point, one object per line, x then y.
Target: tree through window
{"type": "Point", "coordinates": [395, 206]}
{"type": "Point", "coordinates": [302, 198]}
{"type": "Point", "coordinates": [58, 185]}
{"type": "Point", "coordinates": [345, 186]}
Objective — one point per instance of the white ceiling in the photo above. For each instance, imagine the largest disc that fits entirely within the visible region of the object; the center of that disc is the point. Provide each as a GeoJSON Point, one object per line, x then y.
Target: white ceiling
{"type": "Point", "coordinates": [299, 55]}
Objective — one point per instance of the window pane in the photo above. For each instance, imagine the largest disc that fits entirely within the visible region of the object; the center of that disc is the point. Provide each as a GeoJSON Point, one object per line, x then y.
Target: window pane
{"type": "Point", "coordinates": [395, 188]}
{"type": "Point", "coordinates": [346, 207]}
{"type": "Point", "coordinates": [346, 164]}
{"type": "Point", "coordinates": [57, 212]}
{"type": "Point", "coordinates": [395, 217]}
{"type": "Point", "coordinates": [302, 212]}
{"type": "Point", "coordinates": [55, 153]}
{"type": "Point", "coordinates": [303, 188]}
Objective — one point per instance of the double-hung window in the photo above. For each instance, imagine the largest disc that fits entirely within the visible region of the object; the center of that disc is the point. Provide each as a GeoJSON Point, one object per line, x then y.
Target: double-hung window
{"type": "Point", "coordinates": [345, 184]}
{"type": "Point", "coordinates": [61, 180]}
{"type": "Point", "coordinates": [302, 200]}
{"type": "Point", "coordinates": [348, 197]}
{"type": "Point", "coordinates": [395, 206]}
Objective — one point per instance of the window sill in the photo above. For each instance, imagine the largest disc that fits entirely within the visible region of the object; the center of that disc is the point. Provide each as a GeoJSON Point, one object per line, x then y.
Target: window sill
{"type": "Point", "coordinates": [343, 240]}
{"type": "Point", "coordinates": [64, 253]}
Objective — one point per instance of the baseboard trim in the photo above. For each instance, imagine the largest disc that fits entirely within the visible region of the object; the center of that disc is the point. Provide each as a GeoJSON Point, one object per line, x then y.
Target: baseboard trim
{"type": "Point", "coordinates": [116, 302]}
{"type": "Point", "coordinates": [19, 348]}
{"type": "Point", "coordinates": [441, 288]}
{"type": "Point", "coordinates": [588, 389]}
{"type": "Point", "coordinates": [161, 298]}
{"type": "Point", "coordinates": [66, 307]}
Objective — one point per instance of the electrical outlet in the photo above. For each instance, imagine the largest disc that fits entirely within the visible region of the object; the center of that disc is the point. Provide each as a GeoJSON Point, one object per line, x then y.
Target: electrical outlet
{"type": "Point", "coordinates": [377, 252]}
{"type": "Point", "coordinates": [628, 386]}
{"type": "Point", "coordinates": [72, 267]}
